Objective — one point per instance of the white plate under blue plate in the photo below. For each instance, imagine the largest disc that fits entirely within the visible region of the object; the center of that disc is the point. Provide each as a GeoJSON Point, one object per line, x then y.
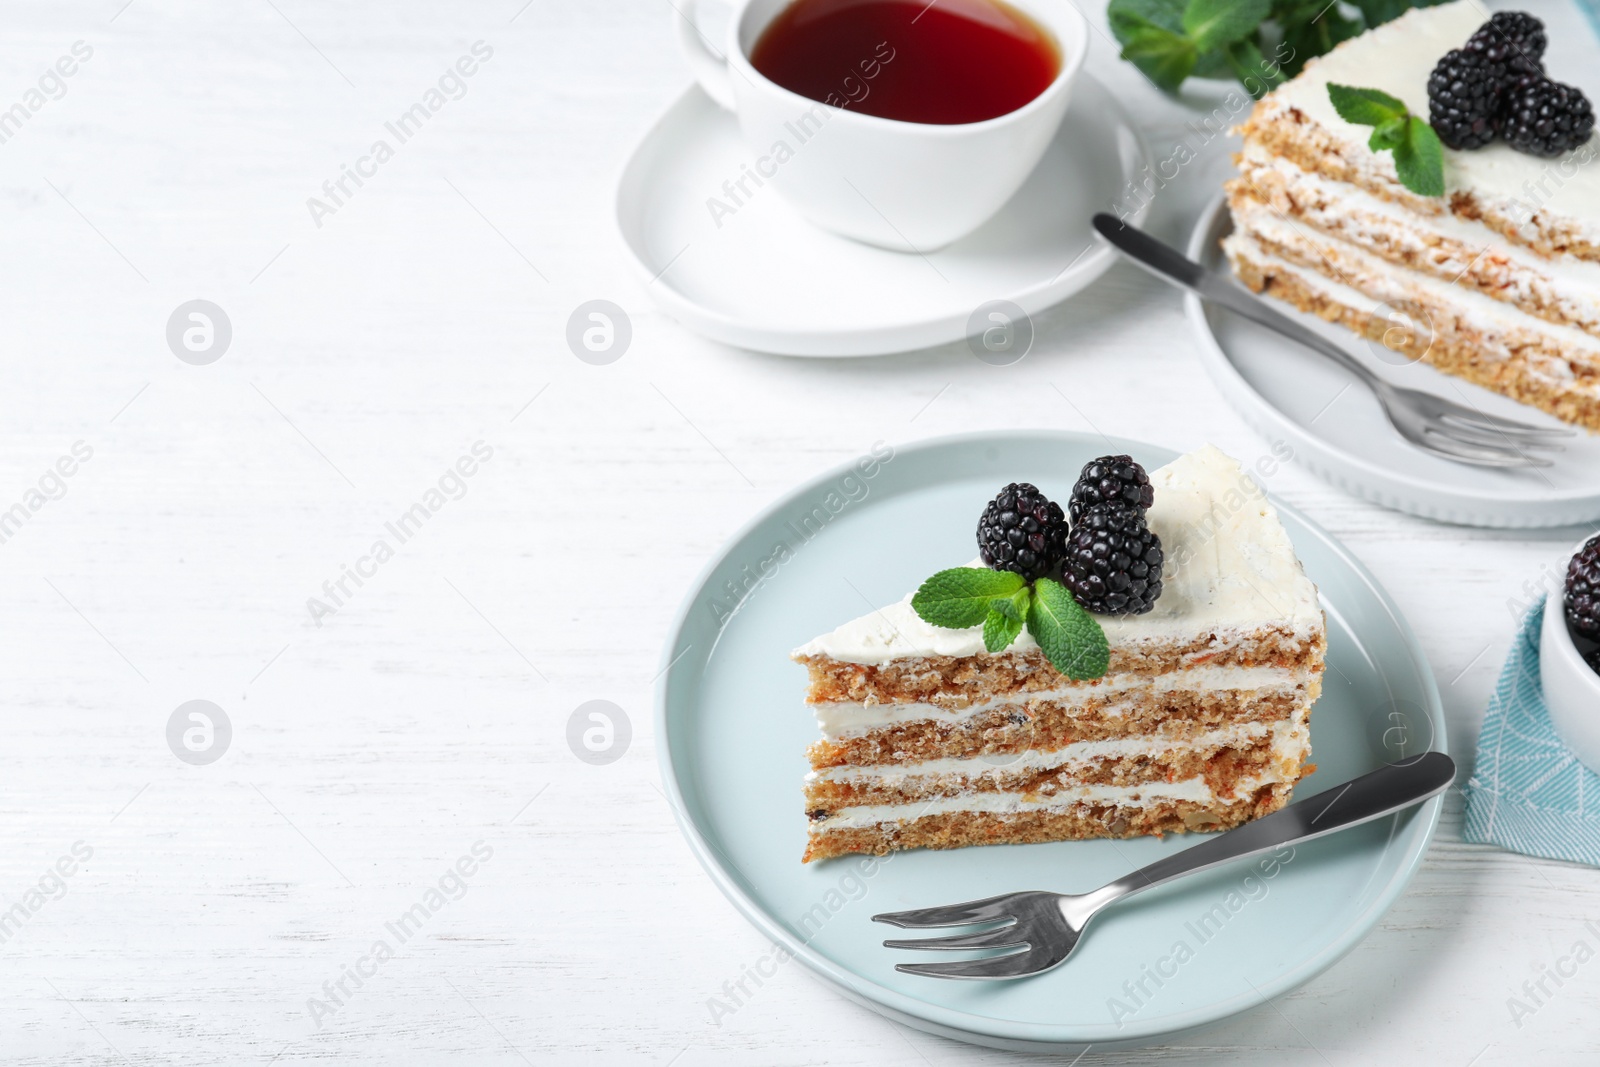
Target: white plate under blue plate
{"type": "Point", "coordinates": [732, 728]}
{"type": "Point", "coordinates": [764, 278]}
{"type": "Point", "coordinates": [1337, 429]}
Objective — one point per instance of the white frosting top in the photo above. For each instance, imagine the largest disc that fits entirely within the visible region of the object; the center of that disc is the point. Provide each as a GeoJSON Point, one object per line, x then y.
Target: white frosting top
{"type": "Point", "coordinates": [1397, 58]}
{"type": "Point", "coordinates": [1229, 566]}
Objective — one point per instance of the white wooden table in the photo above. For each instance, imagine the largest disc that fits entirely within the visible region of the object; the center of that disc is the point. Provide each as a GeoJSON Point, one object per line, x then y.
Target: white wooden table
{"type": "Point", "coordinates": [421, 721]}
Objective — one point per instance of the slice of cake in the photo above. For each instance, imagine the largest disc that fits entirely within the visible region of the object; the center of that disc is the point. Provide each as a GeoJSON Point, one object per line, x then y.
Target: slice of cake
{"type": "Point", "coordinates": [1497, 280]}
{"type": "Point", "coordinates": [1197, 720]}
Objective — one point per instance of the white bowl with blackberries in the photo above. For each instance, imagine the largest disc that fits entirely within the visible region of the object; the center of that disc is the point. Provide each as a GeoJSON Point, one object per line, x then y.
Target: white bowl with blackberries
{"type": "Point", "coordinates": [1569, 656]}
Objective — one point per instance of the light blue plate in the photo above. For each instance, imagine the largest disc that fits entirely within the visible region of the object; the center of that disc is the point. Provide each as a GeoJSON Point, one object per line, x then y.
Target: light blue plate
{"type": "Point", "coordinates": [733, 728]}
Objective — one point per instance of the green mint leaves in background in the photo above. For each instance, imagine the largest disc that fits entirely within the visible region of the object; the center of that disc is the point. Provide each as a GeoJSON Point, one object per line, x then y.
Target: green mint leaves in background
{"type": "Point", "coordinates": [1418, 154]}
{"type": "Point", "coordinates": [1215, 24]}
{"type": "Point", "coordinates": [1172, 39]}
{"type": "Point", "coordinates": [1004, 604]}
{"type": "Point", "coordinates": [1262, 43]}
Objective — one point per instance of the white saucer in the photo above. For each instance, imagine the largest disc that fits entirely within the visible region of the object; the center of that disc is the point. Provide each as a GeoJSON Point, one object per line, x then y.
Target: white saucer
{"type": "Point", "coordinates": [768, 280]}
{"type": "Point", "coordinates": [1337, 429]}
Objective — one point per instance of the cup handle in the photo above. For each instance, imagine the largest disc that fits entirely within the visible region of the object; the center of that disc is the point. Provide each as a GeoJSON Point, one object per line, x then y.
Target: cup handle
{"type": "Point", "coordinates": [709, 66]}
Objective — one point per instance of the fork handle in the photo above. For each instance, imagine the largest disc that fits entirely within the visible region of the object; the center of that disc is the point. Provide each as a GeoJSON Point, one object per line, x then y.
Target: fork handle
{"type": "Point", "coordinates": [1214, 290]}
{"type": "Point", "coordinates": [1384, 791]}
{"type": "Point", "coordinates": [1171, 266]}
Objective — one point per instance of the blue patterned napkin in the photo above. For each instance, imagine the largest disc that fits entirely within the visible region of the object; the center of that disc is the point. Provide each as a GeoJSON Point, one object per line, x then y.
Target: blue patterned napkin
{"type": "Point", "coordinates": [1528, 793]}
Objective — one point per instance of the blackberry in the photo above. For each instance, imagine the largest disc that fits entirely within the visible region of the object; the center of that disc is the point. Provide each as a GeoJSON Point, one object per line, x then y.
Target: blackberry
{"type": "Point", "coordinates": [1464, 97]}
{"type": "Point", "coordinates": [1544, 118]}
{"type": "Point", "coordinates": [1593, 660]}
{"type": "Point", "coordinates": [1112, 564]}
{"type": "Point", "coordinates": [1022, 531]}
{"type": "Point", "coordinates": [1514, 38]}
{"type": "Point", "coordinates": [1582, 598]}
{"type": "Point", "coordinates": [1110, 480]}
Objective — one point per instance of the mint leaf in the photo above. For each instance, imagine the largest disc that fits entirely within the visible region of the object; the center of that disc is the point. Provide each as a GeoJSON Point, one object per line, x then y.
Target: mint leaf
{"type": "Point", "coordinates": [1377, 12]}
{"type": "Point", "coordinates": [1070, 637]}
{"type": "Point", "coordinates": [1389, 134]}
{"type": "Point", "coordinates": [1211, 24]}
{"type": "Point", "coordinates": [1420, 160]}
{"type": "Point", "coordinates": [1312, 28]}
{"type": "Point", "coordinates": [1365, 107]}
{"type": "Point", "coordinates": [1000, 630]}
{"type": "Point", "coordinates": [1014, 606]}
{"type": "Point", "coordinates": [1126, 16]}
{"type": "Point", "coordinates": [1166, 58]}
{"type": "Point", "coordinates": [1213, 65]}
{"type": "Point", "coordinates": [1418, 155]}
{"type": "Point", "coordinates": [958, 598]}
{"type": "Point", "coordinates": [1245, 60]}
{"type": "Point", "coordinates": [1171, 40]}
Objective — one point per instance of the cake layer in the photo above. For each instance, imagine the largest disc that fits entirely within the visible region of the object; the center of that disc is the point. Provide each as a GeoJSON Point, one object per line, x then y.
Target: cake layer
{"type": "Point", "coordinates": [1561, 289]}
{"type": "Point", "coordinates": [971, 678]}
{"type": "Point", "coordinates": [1554, 368]}
{"type": "Point", "coordinates": [1219, 757]}
{"type": "Point", "coordinates": [1046, 724]}
{"type": "Point", "coordinates": [1008, 818]}
{"type": "Point", "coordinates": [1549, 205]}
{"type": "Point", "coordinates": [844, 719]}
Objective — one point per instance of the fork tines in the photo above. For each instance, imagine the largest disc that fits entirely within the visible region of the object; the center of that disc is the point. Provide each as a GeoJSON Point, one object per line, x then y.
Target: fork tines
{"type": "Point", "coordinates": [1028, 928]}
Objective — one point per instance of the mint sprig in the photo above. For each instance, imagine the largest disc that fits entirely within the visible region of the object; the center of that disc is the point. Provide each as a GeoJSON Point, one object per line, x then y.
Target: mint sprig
{"type": "Point", "coordinates": [1365, 107]}
{"type": "Point", "coordinates": [1014, 606]}
{"type": "Point", "coordinates": [1418, 154]}
{"type": "Point", "coordinates": [1166, 58]}
{"type": "Point", "coordinates": [1170, 40]}
{"type": "Point", "coordinates": [1262, 43]}
{"type": "Point", "coordinates": [999, 631]}
{"type": "Point", "coordinates": [1212, 24]}
{"type": "Point", "coordinates": [963, 597]}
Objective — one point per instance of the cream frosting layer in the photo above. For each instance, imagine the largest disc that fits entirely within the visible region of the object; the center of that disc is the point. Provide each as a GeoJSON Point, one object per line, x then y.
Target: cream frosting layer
{"type": "Point", "coordinates": [843, 719]}
{"type": "Point", "coordinates": [1230, 570]}
{"type": "Point", "coordinates": [1123, 796]}
{"type": "Point", "coordinates": [1290, 742]}
{"type": "Point", "coordinates": [1397, 58]}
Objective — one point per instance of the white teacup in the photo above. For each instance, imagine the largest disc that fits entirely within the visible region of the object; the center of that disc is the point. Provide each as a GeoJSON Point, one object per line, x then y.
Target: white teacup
{"type": "Point", "coordinates": [909, 186]}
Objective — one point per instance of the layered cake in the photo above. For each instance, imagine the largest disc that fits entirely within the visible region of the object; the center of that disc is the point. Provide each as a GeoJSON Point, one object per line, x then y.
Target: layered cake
{"type": "Point", "coordinates": [1160, 680]}
{"type": "Point", "coordinates": [1493, 275]}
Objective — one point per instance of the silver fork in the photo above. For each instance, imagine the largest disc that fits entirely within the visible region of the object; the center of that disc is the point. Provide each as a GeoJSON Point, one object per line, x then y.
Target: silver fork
{"type": "Point", "coordinates": [1042, 928]}
{"type": "Point", "coordinates": [1438, 426]}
